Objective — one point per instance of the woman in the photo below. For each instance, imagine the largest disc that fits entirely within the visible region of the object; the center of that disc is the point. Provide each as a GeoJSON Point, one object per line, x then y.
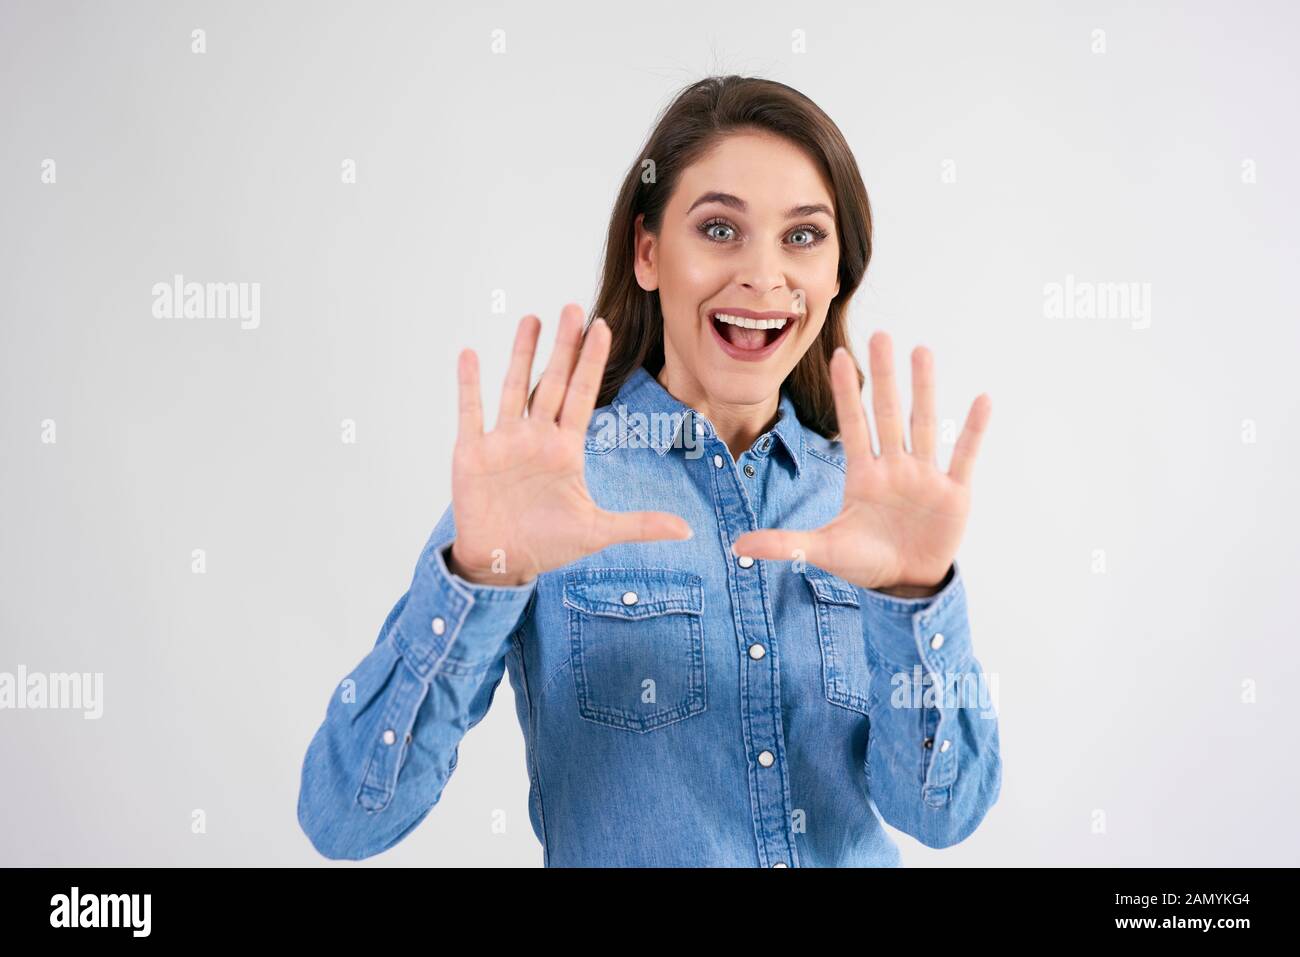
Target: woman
{"type": "Point", "coordinates": [732, 629]}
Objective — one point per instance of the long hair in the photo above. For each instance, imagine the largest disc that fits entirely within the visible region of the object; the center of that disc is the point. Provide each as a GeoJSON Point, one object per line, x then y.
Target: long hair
{"type": "Point", "coordinates": [700, 115]}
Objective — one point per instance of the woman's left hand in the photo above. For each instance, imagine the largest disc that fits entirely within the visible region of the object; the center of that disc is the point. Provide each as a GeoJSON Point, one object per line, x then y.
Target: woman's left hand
{"type": "Point", "coordinates": [902, 518]}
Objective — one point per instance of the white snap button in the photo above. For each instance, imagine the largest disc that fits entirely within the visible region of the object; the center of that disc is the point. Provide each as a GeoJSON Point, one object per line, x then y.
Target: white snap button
{"type": "Point", "coordinates": [717, 461]}
{"type": "Point", "coordinates": [745, 561]}
{"type": "Point", "coordinates": [944, 746]}
{"type": "Point", "coordinates": [389, 736]}
{"type": "Point", "coordinates": [629, 598]}
{"type": "Point", "coordinates": [439, 626]}
{"type": "Point", "coordinates": [780, 864]}
{"type": "Point", "coordinates": [766, 758]}
{"type": "Point", "coordinates": [937, 640]}
{"type": "Point", "coordinates": [757, 651]}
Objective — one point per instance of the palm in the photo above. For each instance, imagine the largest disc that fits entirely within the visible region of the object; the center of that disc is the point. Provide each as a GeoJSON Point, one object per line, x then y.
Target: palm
{"type": "Point", "coordinates": [519, 492]}
{"type": "Point", "coordinates": [517, 478]}
{"type": "Point", "coordinates": [902, 519]}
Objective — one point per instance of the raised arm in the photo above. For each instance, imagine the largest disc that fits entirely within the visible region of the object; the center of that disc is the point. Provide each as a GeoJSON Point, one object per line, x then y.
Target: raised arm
{"type": "Point", "coordinates": [520, 506]}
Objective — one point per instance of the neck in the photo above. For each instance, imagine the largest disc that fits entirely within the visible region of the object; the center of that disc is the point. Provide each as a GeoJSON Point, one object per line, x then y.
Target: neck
{"type": "Point", "coordinates": [738, 424]}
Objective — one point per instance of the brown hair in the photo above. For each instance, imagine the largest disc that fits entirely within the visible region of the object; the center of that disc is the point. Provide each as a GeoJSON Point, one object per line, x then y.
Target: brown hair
{"type": "Point", "coordinates": [693, 122]}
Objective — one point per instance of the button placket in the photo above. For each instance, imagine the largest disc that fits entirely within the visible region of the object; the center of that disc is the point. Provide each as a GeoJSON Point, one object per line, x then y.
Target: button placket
{"type": "Point", "coordinates": [735, 498]}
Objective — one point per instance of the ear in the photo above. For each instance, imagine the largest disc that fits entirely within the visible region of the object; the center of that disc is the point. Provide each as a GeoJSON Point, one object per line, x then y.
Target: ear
{"type": "Point", "coordinates": [645, 256]}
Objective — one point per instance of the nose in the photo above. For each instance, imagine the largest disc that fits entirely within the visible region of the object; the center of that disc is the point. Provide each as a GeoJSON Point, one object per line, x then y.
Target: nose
{"type": "Point", "coordinates": [760, 271]}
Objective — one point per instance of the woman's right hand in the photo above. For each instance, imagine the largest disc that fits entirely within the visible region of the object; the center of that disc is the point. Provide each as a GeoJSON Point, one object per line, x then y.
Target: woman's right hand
{"type": "Point", "coordinates": [519, 492]}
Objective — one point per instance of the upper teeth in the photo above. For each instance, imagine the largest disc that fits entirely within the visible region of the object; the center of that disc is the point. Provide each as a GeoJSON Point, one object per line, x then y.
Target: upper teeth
{"type": "Point", "coordinates": [748, 323]}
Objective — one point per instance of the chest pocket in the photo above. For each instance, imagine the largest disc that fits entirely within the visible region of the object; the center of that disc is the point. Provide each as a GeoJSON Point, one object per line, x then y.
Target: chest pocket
{"type": "Point", "coordinates": [846, 670]}
{"type": "Point", "coordinates": [636, 645]}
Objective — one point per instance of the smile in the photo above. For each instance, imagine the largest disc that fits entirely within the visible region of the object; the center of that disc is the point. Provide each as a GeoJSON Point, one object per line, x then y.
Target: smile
{"type": "Point", "coordinates": [747, 335]}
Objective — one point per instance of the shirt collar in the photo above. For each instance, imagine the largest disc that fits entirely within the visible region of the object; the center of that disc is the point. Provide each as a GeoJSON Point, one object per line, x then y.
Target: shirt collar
{"type": "Point", "coordinates": [658, 419]}
{"type": "Point", "coordinates": [788, 431]}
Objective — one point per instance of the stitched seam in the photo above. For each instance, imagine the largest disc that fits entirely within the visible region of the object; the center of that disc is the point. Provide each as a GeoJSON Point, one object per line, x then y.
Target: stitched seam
{"type": "Point", "coordinates": [363, 785]}
{"type": "Point", "coordinates": [532, 737]}
{"type": "Point", "coordinates": [382, 786]}
{"type": "Point", "coordinates": [833, 462]}
{"type": "Point", "coordinates": [626, 720]}
{"type": "Point", "coordinates": [776, 708]}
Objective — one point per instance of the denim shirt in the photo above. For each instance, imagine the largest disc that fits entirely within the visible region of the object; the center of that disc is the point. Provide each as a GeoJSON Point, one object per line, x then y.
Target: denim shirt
{"type": "Point", "coordinates": [680, 705]}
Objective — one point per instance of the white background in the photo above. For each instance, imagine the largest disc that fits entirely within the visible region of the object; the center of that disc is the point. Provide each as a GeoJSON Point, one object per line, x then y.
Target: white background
{"type": "Point", "coordinates": [1119, 692]}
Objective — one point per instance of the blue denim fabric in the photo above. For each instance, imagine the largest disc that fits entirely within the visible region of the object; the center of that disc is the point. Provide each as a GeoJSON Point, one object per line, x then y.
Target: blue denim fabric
{"type": "Point", "coordinates": [680, 706]}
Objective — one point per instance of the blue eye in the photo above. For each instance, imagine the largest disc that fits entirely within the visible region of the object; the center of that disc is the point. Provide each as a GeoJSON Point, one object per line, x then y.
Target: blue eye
{"type": "Point", "coordinates": [818, 235]}
{"type": "Point", "coordinates": [706, 227]}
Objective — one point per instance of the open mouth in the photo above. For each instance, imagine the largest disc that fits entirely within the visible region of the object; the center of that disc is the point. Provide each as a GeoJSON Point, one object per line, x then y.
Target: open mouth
{"type": "Point", "coordinates": [749, 337]}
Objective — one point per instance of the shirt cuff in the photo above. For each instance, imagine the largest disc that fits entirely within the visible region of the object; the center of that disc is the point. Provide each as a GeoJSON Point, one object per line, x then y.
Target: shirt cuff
{"type": "Point", "coordinates": [932, 631]}
{"type": "Point", "coordinates": [452, 624]}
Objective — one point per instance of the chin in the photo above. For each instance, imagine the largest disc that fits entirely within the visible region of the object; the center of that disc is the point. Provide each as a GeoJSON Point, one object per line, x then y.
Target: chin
{"type": "Point", "coordinates": [742, 387]}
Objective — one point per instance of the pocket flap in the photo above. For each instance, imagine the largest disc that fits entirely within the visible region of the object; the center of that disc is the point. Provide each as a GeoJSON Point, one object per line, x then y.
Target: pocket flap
{"type": "Point", "coordinates": [830, 587]}
{"type": "Point", "coordinates": [631, 593]}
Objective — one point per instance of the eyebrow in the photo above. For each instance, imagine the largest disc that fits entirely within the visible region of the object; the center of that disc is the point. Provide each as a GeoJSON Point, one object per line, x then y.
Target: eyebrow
{"type": "Point", "coordinates": [736, 203]}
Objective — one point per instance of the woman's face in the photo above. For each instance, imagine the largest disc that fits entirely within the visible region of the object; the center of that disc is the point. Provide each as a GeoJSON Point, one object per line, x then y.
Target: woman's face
{"type": "Point", "coordinates": [749, 230]}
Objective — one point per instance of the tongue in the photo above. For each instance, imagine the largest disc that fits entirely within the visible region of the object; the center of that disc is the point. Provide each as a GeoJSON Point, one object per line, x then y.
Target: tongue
{"type": "Point", "coordinates": [743, 338]}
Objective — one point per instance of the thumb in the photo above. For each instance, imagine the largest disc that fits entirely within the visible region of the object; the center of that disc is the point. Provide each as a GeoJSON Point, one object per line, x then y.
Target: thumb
{"type": "Point", "coordinates": [777, 545]}
{"type": "Point", "coordinates": [643, 527]}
